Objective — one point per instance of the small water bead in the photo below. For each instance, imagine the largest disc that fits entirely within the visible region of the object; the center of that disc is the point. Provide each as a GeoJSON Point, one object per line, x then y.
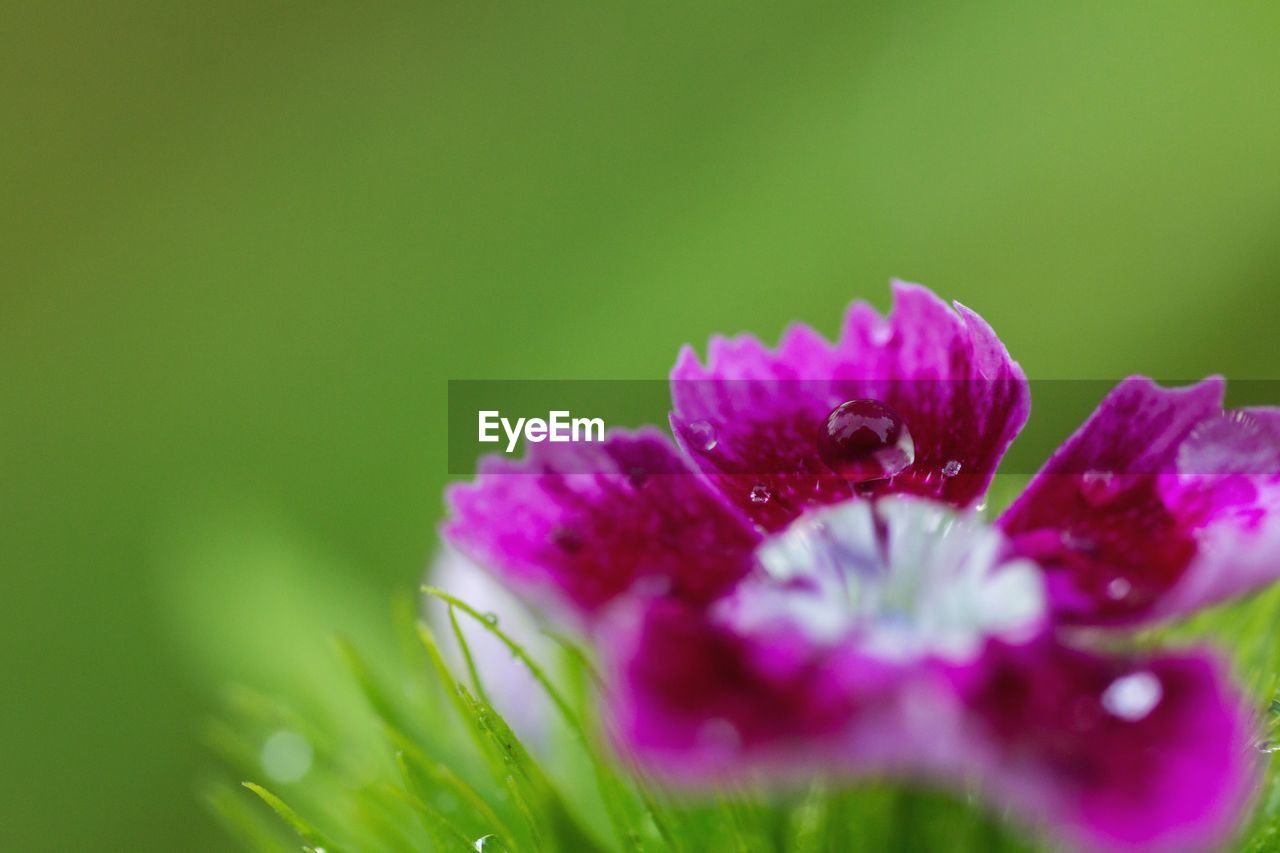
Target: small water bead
{"type": "Point", "coordinates": [720, 735]}
{"type": "Point", "coordinates": [1132, 697]}
{"type": "Point", "coordinates": [951, 469]}
{"type": "Point", "coordinates": [1268, 747]}
{"type": "Point", "coordinates": [702, 435]}
{"type": "Point", "coordinates": [1099, 488]}
{"type": "Point", "coordinates": [760, 494]}
{"type": "Point", "coordinates": [491, 617]}
{"type": "Point", "coordinates": [1081, 542]}
{"type": "Point", "coordinates": [490, 844]}
{"type": "Point", "coordinates": [1118, 589]}
{"type": "Point", "coordinates": [286, 756]}
{"type": "Point", "coordinates": [865, 440]}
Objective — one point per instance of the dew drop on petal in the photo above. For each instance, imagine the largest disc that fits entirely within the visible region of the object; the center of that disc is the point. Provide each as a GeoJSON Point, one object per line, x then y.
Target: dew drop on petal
{"type": "Point", "coordinates": [1132, 697]}
{"type": "Point", "coordinates": [703, 435]}
{"type": "Point", "coordinates": [1118, 589]}
{"type": "Point", "coordinates": [865, 440]}
{"type": "Point", "coordinates": [652, 586]}
{"type": "Point", "coordinates": [1078, 542]}
{"type": "Point", "coordinates": [951, 468]}
{"type": "Point", "coordinates": [1099, 488]}
{"type": "Point", "coordinates": [760, 494]}
{"type": "Point", "coordinates": [719, 735]}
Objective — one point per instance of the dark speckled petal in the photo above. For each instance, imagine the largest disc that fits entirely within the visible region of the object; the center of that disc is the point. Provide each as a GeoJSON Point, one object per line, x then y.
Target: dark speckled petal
{"type": "Point", "coordinates": [945, 371]}
{"type": "Point", "coordinates": [581, 524]}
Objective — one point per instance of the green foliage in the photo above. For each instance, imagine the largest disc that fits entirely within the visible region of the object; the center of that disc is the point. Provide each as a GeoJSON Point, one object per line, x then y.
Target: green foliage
{"type": "Point", "coordinates": [431, 765]}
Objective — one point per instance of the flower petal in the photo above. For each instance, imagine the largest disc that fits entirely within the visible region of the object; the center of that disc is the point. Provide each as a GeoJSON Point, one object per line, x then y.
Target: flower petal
{"type": "Point", "coordinates": [1159, 504]}
{"type": "Point", "coordinates": [1113, 753]}
{"type": "Point", "coordinates": [963, 400]}
{"type": "Point", "coordinates": [694, 700]}
{"type": "Point", "coordinates": [580, 524]}
{"type": "Point", "coordinates": [1228, 486]}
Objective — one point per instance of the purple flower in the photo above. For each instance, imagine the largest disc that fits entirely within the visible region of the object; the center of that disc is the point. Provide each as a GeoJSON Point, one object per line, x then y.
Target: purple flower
{"type": "Point", "coordinates": [803, 584]}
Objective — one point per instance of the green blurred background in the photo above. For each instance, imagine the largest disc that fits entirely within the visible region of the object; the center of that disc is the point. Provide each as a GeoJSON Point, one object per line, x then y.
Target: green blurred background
{"type": "Point", "coordinates": [246, 243]}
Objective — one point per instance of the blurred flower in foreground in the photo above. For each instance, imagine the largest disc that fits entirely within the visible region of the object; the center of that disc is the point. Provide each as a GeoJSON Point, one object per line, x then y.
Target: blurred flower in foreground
{"type": "Point", "coordinates": [801, 583]}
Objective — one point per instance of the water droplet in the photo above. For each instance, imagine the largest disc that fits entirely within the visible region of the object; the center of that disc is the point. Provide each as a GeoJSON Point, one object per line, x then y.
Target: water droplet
{"type": "Point", "coordinates": [1078, 542]}
{"type": "Point", "coordinates": [1099, 488]}
{"type": "Point", "coordinates": [491, 617]}
{"type": "Point", "coordinates": [865, 440]}
{"type": "Point", "coordinates": [720, 735]}
{"type": "Point", "coordinates": [1268, 746]}
{"type": "Point", "coordinates": [286, 756]}
{"type": "Point", "coordinates": [951, 468]}
{"type": "Point", "coordinates": [702, 435]}
{"type": "Point", "coordinates": [1118, 589]}
{"type": "Point", "coordinates": [490, 844]}
{"type": "Point", "coordinates": [760, 494]}
{"type": "Point", "coordinates": [652, 586]}
{"type": "Point", "coordinates": [1131, 697]}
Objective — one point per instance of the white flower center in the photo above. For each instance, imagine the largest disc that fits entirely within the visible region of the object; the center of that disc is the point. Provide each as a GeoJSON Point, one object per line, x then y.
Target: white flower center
{"type": "Point", "coordinates": [900, 577]}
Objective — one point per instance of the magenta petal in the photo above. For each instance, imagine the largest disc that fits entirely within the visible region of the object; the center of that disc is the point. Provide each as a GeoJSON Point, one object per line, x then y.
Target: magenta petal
{"type": "Point", "coordinates": [695, 700]}
{"type": "Point", "coordinates": [752, 416]}
{"type": "Point", "coordinates": [1114, 753]}
{"type": "Point", "coordinates": [1159, 504]}
{"type": "Point", "coordinates": [580, 524]}
{"type": "Point", "coordinates": [1228, 488]}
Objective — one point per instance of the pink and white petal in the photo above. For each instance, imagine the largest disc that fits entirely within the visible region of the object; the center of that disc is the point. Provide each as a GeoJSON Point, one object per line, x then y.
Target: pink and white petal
{"type": "Point", "coordinates": [1228, 486]}
{"type": "Point", "coordinates": [751, 417]}
{"type": "Point", "coordinates": [1159, 504]}
{"type": "Point", "coordinates": [1113, 753]}
{"type": "Point", "coordinates": [696, 701]}
{"type": "Point", "coordinates": [578, 525]}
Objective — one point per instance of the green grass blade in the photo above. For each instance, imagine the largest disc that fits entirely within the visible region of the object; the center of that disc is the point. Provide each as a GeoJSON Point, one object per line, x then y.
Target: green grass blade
{"type": "Point", "coordinates": [444, 831]}
{"type": "Point", "coordinates": [476, 684]}
{"type": "Point", "coordinates": [611, 789]}
{"type": "Point", "coordinates": [305, 830]}
{"type": "Point", "coordinates": [244, 823]}
{"type": "Point", "coordinates": [446, 779]}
